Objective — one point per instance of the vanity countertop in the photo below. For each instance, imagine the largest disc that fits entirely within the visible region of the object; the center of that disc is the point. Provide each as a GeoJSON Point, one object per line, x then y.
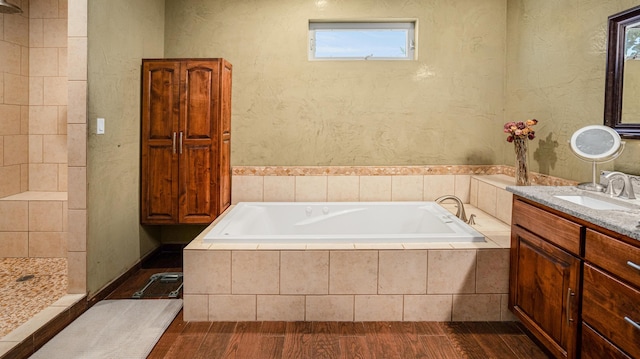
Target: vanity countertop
{"type": "Point", "coordinates": [621, 221]}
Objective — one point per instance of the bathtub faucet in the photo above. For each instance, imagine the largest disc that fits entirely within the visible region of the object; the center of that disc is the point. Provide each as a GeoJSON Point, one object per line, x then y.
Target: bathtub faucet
{"type": "Point", "coordinates": [460, 213]}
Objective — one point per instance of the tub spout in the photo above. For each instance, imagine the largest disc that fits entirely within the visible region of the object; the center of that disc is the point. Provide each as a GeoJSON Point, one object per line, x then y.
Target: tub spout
{"type": "Point", "coordinates": [460, 213]}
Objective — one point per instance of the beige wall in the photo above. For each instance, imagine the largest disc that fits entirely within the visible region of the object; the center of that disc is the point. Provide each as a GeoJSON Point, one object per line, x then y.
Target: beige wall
{"type": "Point", "coordinates": [441, 109]}
{"type": "Point", "coordinates": [121, 33]}
{"type": "Point", "coordinates": [556, 59]}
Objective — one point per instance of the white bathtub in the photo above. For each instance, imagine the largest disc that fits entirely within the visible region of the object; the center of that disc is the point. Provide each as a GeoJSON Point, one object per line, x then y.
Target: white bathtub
{"type": "Point", "coordinates": [340, 222]}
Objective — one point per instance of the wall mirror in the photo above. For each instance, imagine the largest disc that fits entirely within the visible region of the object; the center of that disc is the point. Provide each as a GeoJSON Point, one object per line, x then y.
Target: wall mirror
{"type": "Point", "coordinates": [622, 91]}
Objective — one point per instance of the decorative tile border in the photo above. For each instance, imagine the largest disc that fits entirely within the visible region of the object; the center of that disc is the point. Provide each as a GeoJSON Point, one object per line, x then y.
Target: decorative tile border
{"type": "Point", "coordinates": [536, 178]}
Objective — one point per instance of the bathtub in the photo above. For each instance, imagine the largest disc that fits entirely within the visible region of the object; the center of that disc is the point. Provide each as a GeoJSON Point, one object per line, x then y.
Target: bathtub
{"type": "Point", "coordinates": [340, 222]}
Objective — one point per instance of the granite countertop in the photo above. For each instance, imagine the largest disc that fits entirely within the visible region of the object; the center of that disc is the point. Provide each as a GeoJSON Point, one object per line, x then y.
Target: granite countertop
{"type": "Point", "coordinates": [623, 221]}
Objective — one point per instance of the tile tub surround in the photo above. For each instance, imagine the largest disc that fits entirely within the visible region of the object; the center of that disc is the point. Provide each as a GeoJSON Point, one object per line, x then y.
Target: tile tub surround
{"type": "Point", "coordinates": [437, 282]}
{"type": "Point", "coordinates": [367, 183]}
{"type": "Point", "coordinates": [375, 282]}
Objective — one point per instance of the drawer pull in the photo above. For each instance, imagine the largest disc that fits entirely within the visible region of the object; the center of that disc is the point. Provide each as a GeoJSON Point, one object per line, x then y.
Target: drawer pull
{"type": "Point", "coordinates": [633, 265]}
{"type": "Point", "coordinates": [630, 321]}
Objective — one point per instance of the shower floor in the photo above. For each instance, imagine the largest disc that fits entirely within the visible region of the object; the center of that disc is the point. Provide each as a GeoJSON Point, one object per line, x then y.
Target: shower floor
{"type": "Point", "coordinates": [21, 300]}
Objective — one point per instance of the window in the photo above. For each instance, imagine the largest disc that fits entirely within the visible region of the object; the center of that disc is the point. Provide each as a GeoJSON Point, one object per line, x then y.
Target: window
{"type": "Point", "coordinates": [388, 40]}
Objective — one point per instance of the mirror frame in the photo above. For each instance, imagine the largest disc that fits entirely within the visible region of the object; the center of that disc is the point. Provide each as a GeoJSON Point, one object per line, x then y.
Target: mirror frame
{"type": "Point", "coordinates": [615, 73]}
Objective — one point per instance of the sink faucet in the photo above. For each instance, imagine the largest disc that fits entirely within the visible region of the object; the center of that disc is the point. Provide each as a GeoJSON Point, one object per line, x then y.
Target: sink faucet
{"type": "Point", "coordinates": [460, 213]}
{"type": "Point", "coordinates": [627, 187]}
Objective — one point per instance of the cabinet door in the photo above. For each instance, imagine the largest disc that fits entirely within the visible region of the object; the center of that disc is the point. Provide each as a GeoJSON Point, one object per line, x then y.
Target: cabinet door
{"type": "Point", "coordinates": [159, 158]}
{"type": "Point", "coordinates": [197, 141]}
{"type": "Point", "coordinates": [224, 155]}
{"type": "Point", "coordinates": [544, 283]}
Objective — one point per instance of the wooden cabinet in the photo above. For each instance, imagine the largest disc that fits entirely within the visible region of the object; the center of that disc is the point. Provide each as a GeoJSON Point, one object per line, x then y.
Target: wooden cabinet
{"type": "Point", "coordinates": [545, 279]}
{"type": "Point", "coordinates": [574, 285]}
{"type": "Point", "coordinates": [611, 297]}
{"type": "Point", "coordinates": [186, 140]}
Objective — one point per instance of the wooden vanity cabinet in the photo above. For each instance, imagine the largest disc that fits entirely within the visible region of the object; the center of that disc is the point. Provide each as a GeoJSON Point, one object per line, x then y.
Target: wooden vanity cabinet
{"type": "Point", "coordinates": [545, 278]}
{"type": "Point", "coordinates": [186, 139]}
{"type": "Point", "coordinates": [574, 285]}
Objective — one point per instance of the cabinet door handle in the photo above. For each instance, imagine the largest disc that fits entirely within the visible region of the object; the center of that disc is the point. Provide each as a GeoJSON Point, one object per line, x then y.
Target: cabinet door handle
{"type": "Point", "coordinates": [173, 143]}
{"type": "Point", "coordinates": [180, 142]}
{"type": "Point", "coordinates": [630, 321]}
{"type": "Point", "coordinates": [569, 300]}
{"type": "Point", "coordinates": [633, 265]}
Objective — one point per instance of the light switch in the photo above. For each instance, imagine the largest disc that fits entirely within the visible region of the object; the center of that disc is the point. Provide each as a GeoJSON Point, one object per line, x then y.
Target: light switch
{"type": "Point", "coordinates": [100, 126]}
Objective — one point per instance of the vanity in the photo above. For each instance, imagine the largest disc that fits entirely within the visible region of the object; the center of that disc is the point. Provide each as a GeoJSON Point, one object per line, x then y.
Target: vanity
{"type": "Point", "coordinates": [575, 271]}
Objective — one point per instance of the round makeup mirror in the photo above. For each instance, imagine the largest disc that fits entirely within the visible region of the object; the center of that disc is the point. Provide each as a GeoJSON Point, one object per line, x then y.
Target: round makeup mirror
{"type": "Point", "coordinates": [596, 144]}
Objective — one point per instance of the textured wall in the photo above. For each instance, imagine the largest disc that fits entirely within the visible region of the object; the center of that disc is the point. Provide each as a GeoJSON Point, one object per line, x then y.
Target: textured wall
{"type": "Point", "coordinates": [445, 108]}
{"type": "Point", "coordinates": [121, 33]}
{"type": "Point", "coordinates": [556, 59]}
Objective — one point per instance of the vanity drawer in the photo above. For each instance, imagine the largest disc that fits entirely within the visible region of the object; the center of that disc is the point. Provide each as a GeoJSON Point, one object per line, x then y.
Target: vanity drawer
{"type": "Point", "coordinates": [594, 346]}
{"type": "Point", "coordinates": [617, 257]}
{"type": "Point", "coordinates": [613, 309]}
{"type": "Point", "coordinates": [555, 229]}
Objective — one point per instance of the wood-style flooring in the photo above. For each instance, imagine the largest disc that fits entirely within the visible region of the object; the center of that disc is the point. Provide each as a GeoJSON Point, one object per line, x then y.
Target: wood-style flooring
{"type": "Point", "coordinates": [300, 340]}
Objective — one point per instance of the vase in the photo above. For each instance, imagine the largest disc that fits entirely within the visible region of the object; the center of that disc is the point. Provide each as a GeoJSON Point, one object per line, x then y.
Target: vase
{"type": "Point", "coordinates": [522, 167]}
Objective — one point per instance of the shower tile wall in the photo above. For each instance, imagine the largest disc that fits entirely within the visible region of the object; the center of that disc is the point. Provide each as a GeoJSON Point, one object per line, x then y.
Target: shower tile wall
{"type": "Point", "coordinates": [14, 101]}
{"type": "Point", "coordinates": [48, 96]}
{"type": "Point", "coordinates": [33, 130]}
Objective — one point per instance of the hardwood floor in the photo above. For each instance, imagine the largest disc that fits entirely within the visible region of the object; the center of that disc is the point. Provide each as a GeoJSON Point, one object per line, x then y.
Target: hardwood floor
{"type": "Point", "coordinates": [254, 340]}
{"type": "Point", "coordinates": [345, 340]}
